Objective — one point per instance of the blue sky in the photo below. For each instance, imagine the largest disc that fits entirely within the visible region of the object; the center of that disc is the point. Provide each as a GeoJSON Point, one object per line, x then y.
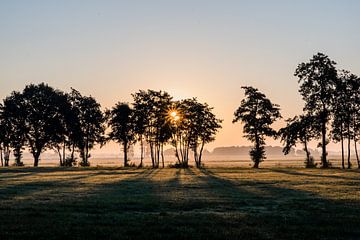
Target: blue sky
{"type": "Point", "coordinates": [207, 49]}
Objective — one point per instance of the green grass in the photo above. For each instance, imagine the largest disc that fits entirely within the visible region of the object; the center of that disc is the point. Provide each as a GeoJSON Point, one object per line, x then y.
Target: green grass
{"type": "Point", "coordinates": [217, 203]}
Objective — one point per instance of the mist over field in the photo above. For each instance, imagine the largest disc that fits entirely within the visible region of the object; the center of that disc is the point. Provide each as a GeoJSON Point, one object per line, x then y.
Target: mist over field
{"type": "Point", "coordinates": [235, 156]}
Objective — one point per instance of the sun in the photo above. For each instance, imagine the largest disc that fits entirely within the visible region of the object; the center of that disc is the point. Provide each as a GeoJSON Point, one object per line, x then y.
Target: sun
{"type": "Point", "coordinates": [174, 115]}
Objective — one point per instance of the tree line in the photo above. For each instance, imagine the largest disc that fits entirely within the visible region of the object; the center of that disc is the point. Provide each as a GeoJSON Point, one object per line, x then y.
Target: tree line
{"type": "Point", "coordinates": [41, 118]}
{"type": "Point", "coordinates": [332, 101]}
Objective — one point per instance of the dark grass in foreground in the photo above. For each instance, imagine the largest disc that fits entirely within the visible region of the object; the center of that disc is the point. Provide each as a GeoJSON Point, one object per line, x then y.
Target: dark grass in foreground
{"type": "Point", "coordinates": [218, 203]}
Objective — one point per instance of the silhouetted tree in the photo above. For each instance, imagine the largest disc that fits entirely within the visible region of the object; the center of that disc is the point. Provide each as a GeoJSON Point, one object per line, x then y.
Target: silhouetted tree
{"type": "Point", "coordinates": [3, 137]}
{"type": "Point", "coordinates": [194, 125]}
{"type": "Point", "coordinates": [91, 124]}
{"type": "Point", "coordinates": [14, 130]}
{"type": "Point", "coordinates": [206, 126]}
{"type": "Point", "coordinates": [257, 113]}
{"type": "Point", "coordinates": [355, 82]}
{"type": "Point", "coordinates": [353, 114]}
{"type": "Point", "coordinates": [153, 106]}
{"type": "Point", "coordinates": [299, 129]}
{"type": "Point", "coordinates": [40, 104]}
{"type": "Point", "coordinates": [180, 116]}
{"type": "Point", "coordinates": [354, 107]}
{"type": "Point", "coordinates": [122, 123]}
{"type": "Point", "coordinates": [343, 111]}
{"type": "Point", "coordinates": [164, 137]}
{"type": "Point", "coordinates": [140, 120]}
{"type": "Point", "coordinates": [69, 131]}
{"type": "Point", "coordinates": [317, 80]}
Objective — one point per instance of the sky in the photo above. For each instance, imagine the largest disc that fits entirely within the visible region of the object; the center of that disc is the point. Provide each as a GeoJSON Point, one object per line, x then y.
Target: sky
{"type": "Point", "coordinates": [190, 48]}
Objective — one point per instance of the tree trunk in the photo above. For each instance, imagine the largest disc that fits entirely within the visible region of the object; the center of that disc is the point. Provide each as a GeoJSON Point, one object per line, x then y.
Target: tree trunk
{"type": "Point", "coordinates": [200, 152]}
{"type": "Point", "coordinates": [342, 149]}
{"type": "Point", "coordinates": [187, 145]}
{"type": "Point", "coordinates": [152, 154]}
{"type": "Point", "coordinates": [64, 153]}
{"type": "Point", "coordinates": [87, 153]}
{"type": "Point", "coordinates": [60, 156]}
{"type": "Point", "coordinates": [158, 155]}
{"type": "Point", "coordinates": [17, 154]}
{"type": "Point", "coordinates": [257, 159]}
{"type": "Point", "coordinates": [324, 161]}
{"type": "Point", "coordinates": [349, 147]}
{"type": "Point", "coordinates": [142, 151]}
{"type": "Point", "coordinates": [162, 155]}
{"type": "Point", "coordinates": [1, 156]}
{"type": "Point", "coordinates": [73, 151]}
{"type": "Point", "coordinates": [196, 157]}
{"type": "Point", "coordinates": [6, 156]}
{"type": "Point", "coordinates": [356, 153]}
{"type": "Point", "coordinates": [181, 150]}
{"type": "Point", "coordinates": [307, 153]}
{"type": "Point", "coordinates": [125, 154]}
{"type": "Point", "coordinates": [256, 164]}
{"type": "Point", "coordinates": [36, 158]}
{"type": "Point", "coordinates": [177, 152]}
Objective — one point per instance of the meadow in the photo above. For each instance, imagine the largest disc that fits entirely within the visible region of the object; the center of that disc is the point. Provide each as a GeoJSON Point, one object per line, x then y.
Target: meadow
{"type": "Point", "coordinates": [212, 203]}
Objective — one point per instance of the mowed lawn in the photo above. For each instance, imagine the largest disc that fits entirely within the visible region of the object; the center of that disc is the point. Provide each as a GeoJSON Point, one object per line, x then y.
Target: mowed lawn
{"type": "Point", "coordinates": [215, 203]}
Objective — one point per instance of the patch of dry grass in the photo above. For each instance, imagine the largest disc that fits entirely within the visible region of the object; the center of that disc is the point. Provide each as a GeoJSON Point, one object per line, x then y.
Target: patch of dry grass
{"type": "Point", "coordinates": [216, 203]}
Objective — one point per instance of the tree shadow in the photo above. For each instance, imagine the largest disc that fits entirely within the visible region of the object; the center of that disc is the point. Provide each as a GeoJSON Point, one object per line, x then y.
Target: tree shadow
{"type": "Point", "coordinates": [307, 174]}
{"type": "Point", "coordinates": [295, 213]}
{"type": "Point", "coordinates": [178, 203]}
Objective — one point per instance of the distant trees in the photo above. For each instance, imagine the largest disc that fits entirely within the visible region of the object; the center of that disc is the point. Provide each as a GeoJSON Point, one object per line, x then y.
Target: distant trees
{"type": "Point", "coordinates": [123, 128]}
{"type": "Point", "coordinates": [257, 113]}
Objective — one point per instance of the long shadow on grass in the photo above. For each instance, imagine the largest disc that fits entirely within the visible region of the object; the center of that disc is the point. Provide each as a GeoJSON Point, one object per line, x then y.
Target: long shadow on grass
{"type": "Point", "coordinates": [308, 174]}
{"type": "Point", "coordinates": [295, 213]}
{"type": "Point", "coordinates": [56, 180]}
{"type": "Point", "coordinates": [188, 204]}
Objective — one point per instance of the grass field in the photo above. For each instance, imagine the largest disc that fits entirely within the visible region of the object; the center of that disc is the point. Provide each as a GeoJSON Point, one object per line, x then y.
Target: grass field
{"type": "Point", "coordinates": [216, 203]}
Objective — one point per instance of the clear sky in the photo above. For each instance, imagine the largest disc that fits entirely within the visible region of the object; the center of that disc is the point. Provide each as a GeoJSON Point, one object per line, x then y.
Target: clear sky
{"type": "Point", "coordinates": [202, 48]}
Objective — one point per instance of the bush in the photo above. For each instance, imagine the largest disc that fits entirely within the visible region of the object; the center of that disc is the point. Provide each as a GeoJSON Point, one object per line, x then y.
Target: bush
{"type": "Point", "coordinates": [179, 165]}
{"type": "Point", "coordinates": [18, 164]}
{"type": "Point", "coordinates": [69, 162]}
{"type": "Point", "coordinates": [84, 164]}
{"type": "Point", "coordinates": [310, 163]}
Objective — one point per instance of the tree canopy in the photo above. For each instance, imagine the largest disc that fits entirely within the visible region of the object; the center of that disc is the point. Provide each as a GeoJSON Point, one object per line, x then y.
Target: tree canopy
{"type": "Point", "coordinates": [317, 80]}
{"type": "Point", "coordinates": [257, 113]}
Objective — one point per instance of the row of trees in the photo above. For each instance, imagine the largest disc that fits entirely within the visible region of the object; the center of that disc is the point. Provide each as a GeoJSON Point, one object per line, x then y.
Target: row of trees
{"type": "Point", "coordinates": [156, 119]}
{"type": "Point", "coordinates": [332, 99]}
{"type": "Point", "coordinates": [41, 118]}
